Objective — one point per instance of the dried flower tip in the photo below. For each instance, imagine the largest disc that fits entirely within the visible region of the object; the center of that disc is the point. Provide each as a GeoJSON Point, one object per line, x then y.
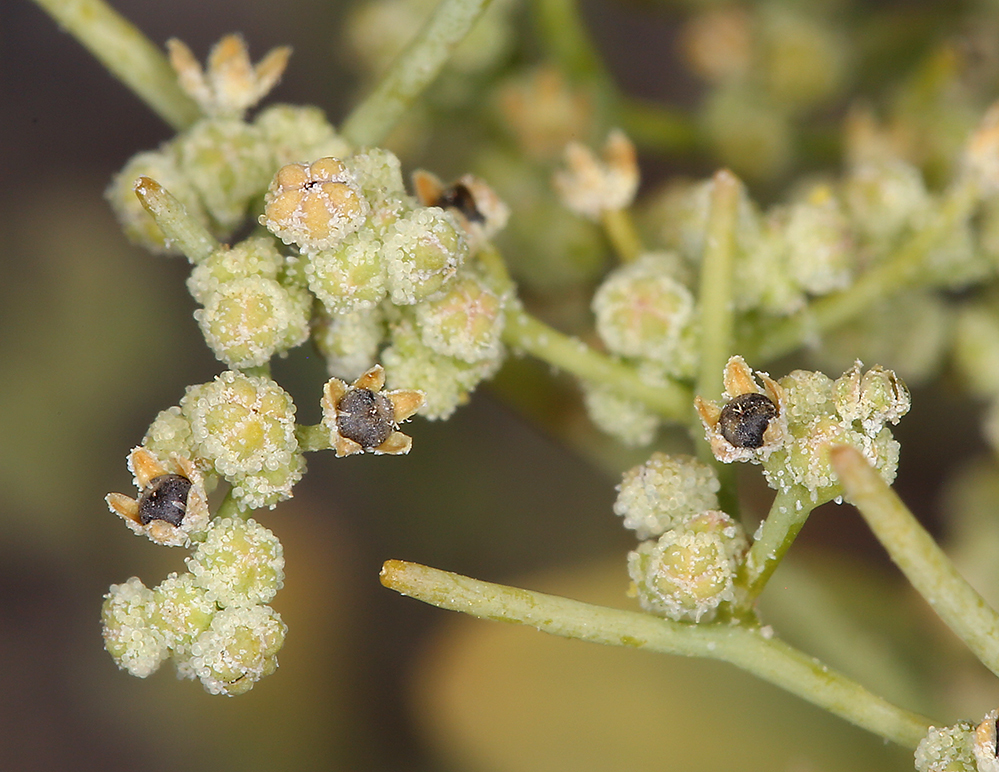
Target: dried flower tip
{"type": "Point", "coordinates": [239, 563]}
{"type": "Point", "coordinates": [875, 398]}
{"type": "Point", "coordinates": [362, 418]}
{"type": "Point", "coordinates": [172, 503]}
{"type": "Point", "coordinates": [230, 84]}
{"type": "Point", "coordinates": [481, 213]}
{"type": "Point", "coordinates": [589, 186]}
{"type": "Point", "coordinates": [752, 423]}
{"type": "Point", "coordinates": [314, 205]}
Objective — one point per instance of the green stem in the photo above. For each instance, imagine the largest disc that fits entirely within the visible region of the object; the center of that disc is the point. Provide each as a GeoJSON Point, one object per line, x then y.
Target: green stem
{"type": "Point", "coordinates": [881, 281]}
{"type": "Point", "coordinates": [566, 39]}
{"type": "Point", "coordinates": [533, 336]}
{"type": "Point", "coordinates": [658, 127]}
{"type": "Point", "coordinates": [915, 552]}
{"type": "Point", "coordinates": [716, 311]}
{"type": "Point", "coordinates": [747, 648]}
{"type": "Point", "coordinates": [231, 508]}
{"type": "Point", "coordinates": [312, 437]}
{"type": "Point", "coordinates": [777, 533]}
{"type": "Point", "coordinates": [191, 236]}
{"type": "Point", "coordinates": [622, 234]}
{"type": "Point", "coordinates": [129, 55]}
{"type": "Point", "coordinates": [412, 71]}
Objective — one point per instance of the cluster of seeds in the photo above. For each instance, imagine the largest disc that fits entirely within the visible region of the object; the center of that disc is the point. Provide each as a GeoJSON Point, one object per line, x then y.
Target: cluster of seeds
{"type": "Point", "coordinates": [686, 568]}
{"type": "Point", "coordinates": [212, 620]}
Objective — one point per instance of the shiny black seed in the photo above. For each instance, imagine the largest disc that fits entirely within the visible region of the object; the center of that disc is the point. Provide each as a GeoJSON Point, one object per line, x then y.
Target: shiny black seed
{"type": "Point", "coordinates": [165, 499]}
{"type": "Point", "coordinates": [365, 417]}
{"type": "Point", "coordinates": [744, 420]}
{"type": "Point", "coordinates": [459, 197]}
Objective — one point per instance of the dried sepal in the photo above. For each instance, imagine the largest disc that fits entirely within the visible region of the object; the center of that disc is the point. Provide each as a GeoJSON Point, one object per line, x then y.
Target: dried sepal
{"type": "Point", "coordinates": [481, 213]}
{"type": "Point", "coordinates": [172, 503]}
{"type": "Point", "coordinates": [752, 422]}
{"type": "Point", "coordinates": [230, 84]}
{"type": "Point", "coordinates": [590, 186]}
{"type": "Point", "coordinates": [363, 418]}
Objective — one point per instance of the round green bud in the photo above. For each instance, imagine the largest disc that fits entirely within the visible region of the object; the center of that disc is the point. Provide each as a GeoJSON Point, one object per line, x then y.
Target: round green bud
{"type": "Point", "coordinates": [350, 341]}
{"type": "Point", "coordinates": [885, 198]}
{"type": "Point", "coordinates": [268, 487]}
{"type": "Point", "coordinates": [947, 749]}
{"type": "Point", "coordinates": [296, 133]}
{"type": "Point", "coordinates": [819, 243]}
{"type": "Point", "coordinates": [228, 164]}
{"type": "Point", "coordinates": [135, 644]}
{"type": "Point", "coordinates": [445, 381]}
{"type": "Point", "coordinates": [240, 563]}
{"type": "Point", "coordinates": [749, 133]}
{"type": "Point", "coordinates": [140, 227]}
{"type": "Point", "coordinates": [690, 571]}
{"type": "Point", "coordinates": [802, 57]}
{"type": "Point", "coordinates": [808, 394]}
{"type": "Point", "coordinates": [242, 424]}
{"type": "Point", "coordinates": [350, 276]}
{"type": "Point", "coordinates": [873, 399]}
{"type": "Point", "coordinates": [628, 420]}
{"type": "Point", "coordinates": [247, 321]}
{"type": "Point", "coordinates": [465, 322]}
{"type": "Point", "coordinates": [182, 610]}
{"type": "Point", "coordinates": [169, 434]}
{"type": "Point", "coordinates": [379, 174]}
{"type": "Point", "coordinates": [763, 279]}
{"type": "Point", "coordinates": [976, 348]}
{"type": "Point", "coordinates": [250, 257]}
{"type": "Point", "coordinates": [238, 649]}
{"type": "Point", "coordinates": [422, 252]}
{"type": "Point", "coordinates": [663, 492]}
{"type": "Point", "coordinates": [642, 311]}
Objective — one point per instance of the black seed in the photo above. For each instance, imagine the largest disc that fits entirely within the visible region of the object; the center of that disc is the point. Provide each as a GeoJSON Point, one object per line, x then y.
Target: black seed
{"type": "Point", "coordinates": [459, 197]}
{"type": "Point", "coordinates": [365, 417]}
{"type": "Point", "coordinates": [165, 499]}
{"type": "Point", "coordinates": [744, 420]}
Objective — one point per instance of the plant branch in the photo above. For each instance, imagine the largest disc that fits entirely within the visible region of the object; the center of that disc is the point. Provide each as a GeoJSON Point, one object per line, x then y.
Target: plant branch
{"type": "Point", "coordinates": [620, 229]}
{"type": "Point", "coordinates": [412, 71]}
{"type": "Point", "coordinates": [919, 557]}
{"type": "Point", "coordinates": [128, 54]}
{"type": "Point", "coordinates": [747, 648]}
{"type": "Point", "coordinates": [777, 533]}
{"type": "Point", "coordinates": [191, 236]}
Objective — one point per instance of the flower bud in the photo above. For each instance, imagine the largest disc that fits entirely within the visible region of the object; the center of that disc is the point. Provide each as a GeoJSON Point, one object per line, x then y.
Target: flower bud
{"type": "Point", "coordinates": [947, 749]}
{"type": "Point", "coordinates": [169, 434]}
{"type": "Point", "coordinates": [350, 341]}
{"type": "Point", "coordinates": [227, 164]}
{"type": "Point", "coordinates": [422, 251]}
{"type": "Point", "coordinates": [589, 186]}
{"type": "Point", "coordinates": [628, 420]}
{"type": "Point", "coordinates": [268, 487]}
{"type": "Point", "coordinates": [240, 563]}
{"type": "Point", "coordinates": [663, 492]}
{"type": "Point", "coordinates": [250, 257]}
{"type": "Point", "coordinates": [297, 133]}
{"type": "Point", "coordinates": [181, 610]}
{"type": "Point", "coordinates": [465, 322]}
{"type": "Point", "coordinates": [379, 174]}
{"type": "Point", "coordinates": [819, 243]}
{"type": "Point", "coordinates": [238, 649]}
{"type": "Point", "coordinates": [247, 321]}
{"type": "Point", "coordinates": [643, 312]}
{"type": "Point", "coordinates": [691, 570]}
{"type": "Point", "coordinates": [314, 205]}
{"type": "Point", "coordinates": [350, 276]}
{"type": "Point", "coordinates": [242, 424]}
{"type": "Point", "coordinates": [133, 642]}
{"type": "Point", "coordinates": [884, 198]}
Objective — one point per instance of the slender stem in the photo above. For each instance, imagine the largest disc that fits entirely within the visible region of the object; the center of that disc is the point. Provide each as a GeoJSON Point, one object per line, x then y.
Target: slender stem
{"type": "Point", "coordinates": [412, 71]}
{"type": "Point", "coordinates": [567, 40]}
{"type": "Point", "coordinates": [231, 508]}
{"type": "Point", "coordinates": [191, 236]}
{"type": "Point", "coordinates": [881, 281]}
{"type": "Point", "coordinates": [777, 533]}
{"type": "Point", "coordinates": [533, 336]}
{"type": "Point", "coordinates": [312, 437]}
{"type": "Point", "coordinates": [915, 552]}
{"type": "Point", "coordinates": [745, 647]}
{"type": "Point", "coordinates": [622, 234]}
{"type": "Point", "coordinates": [659, 127]}
{"type": "Point", "coordinates": [717, 313]}
{"type": "Point", "coordinates": [128, 54]}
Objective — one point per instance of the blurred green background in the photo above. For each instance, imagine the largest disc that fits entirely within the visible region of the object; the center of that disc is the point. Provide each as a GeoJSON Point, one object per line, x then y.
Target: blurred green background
{"type": "Point", "coordinates": [96, 337]}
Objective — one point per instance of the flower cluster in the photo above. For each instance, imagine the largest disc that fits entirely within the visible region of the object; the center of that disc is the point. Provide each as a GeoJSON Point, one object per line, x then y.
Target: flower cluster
{"type": "Point", "coordinates": [962, 747]}
{"type": "Point", "coordinates": [789, 425]}
{"type": "Point", "coordinates": [212, 620]}
{"type": "Point", "coordinates": [686, 568]}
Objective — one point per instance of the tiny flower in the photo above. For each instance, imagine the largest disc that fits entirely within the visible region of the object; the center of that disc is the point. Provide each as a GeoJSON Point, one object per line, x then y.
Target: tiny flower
{"type": "Point", "coordinates": [314, 205]}
{"type": "Point", "coordinates": [256, 256]}
{"type": "Point", "coordinates": [465, 322]}
{"type": "Point", "coordinates": [295, 133]}
{"type": "Point", "coordinates": [590, 186]}
{"type": "Point", "coordinates": [172, 503]}
{"type": "Point", "coordinates": [422, 251]}
{"type": "Point", "coordinates": [659, 494]}
{"type": "Point", "coordinates": [349, 341]}
{"type": "Point", "coordinates": [230, 84]}
{"type": "Point", "coordinates": [349, 276]}
{"type": "Point", "coordinates": [947, 749]}
{"type": "Point", "coordinates": [752, 423]}
{"type": "Point", "coordinates": [378, 172]}
{"type": "Point", "coordinates": [135, 644]}
{"type": "Point", "coordinates": [480, 211]}
{"type": "Point", "coordinates": [239, 563]}
{"type": "Point", "coordinates": [690, 571]}
{"type": "Point", "coordinates": [181, 610]}
{"type": "Point", "coordinates": [169, 434]}
{"type": "Point", "coordinates": [362, 418]}
{"type": "Point", "coordinates": [238, 649]}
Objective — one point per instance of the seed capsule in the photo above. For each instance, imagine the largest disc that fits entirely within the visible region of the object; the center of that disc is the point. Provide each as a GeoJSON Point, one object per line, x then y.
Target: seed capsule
{"type": "Point", "coordinates": [365, 417]}
{"type": "Point", "coordinates": [744, 420]}
{"type": "Point", "coordinates": [165, 499]}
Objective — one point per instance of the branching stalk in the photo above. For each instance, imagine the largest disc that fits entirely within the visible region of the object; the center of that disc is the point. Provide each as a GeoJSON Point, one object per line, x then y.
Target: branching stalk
{"type": "Point", "coordinates": [747, 648]}
{"type": "Point", "coordinates": [777, 533]}
{"type": "Point", "coordinates": [129, 55]}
